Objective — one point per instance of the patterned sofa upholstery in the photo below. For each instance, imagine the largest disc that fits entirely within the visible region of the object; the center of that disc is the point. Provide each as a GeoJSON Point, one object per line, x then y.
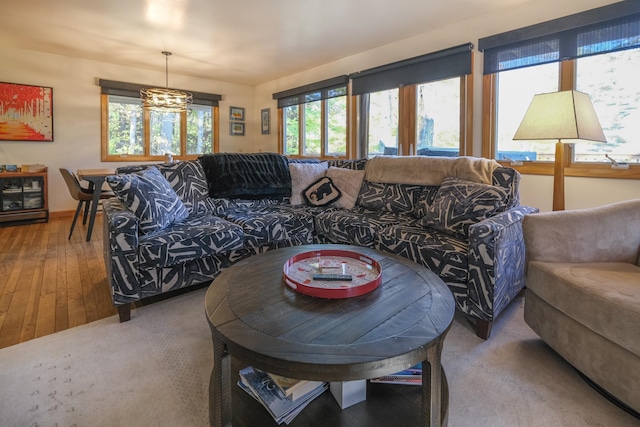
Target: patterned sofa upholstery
{"type": "Point", "coordinates": [482, 261]}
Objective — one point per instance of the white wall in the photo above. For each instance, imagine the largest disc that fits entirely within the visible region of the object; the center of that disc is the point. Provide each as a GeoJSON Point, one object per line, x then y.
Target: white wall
{"type": "Point", "coordinates": [535, 190]}
{"type": "Point", "coordinates": [76, 112]}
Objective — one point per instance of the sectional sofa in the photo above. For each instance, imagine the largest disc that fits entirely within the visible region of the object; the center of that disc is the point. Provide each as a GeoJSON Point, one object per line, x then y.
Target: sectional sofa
{"type": "Point", "coordinates": [177, 225]}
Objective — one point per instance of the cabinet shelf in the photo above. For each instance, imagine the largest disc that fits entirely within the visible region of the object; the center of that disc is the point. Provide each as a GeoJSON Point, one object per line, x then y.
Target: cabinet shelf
{"type": "Point", "coordinates": [23, 197]}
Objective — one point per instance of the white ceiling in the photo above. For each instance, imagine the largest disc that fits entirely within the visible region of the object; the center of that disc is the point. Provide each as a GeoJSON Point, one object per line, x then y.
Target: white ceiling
{"type": "Point", "coordinates": [242, 41]}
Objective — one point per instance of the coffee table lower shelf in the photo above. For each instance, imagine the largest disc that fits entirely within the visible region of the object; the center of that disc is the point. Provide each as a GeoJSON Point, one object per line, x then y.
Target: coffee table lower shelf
{"type": "Point", "coordinates": [386, 405]}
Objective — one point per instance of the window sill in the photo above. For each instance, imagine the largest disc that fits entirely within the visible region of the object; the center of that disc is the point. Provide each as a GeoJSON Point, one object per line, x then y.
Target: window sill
{"type": "Point", "coordinates": [586, 170]}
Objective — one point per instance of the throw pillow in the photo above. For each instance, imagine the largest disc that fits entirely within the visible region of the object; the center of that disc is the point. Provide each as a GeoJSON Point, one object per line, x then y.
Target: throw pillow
{"type": "Point", "coordinates": [349, 182]}
{"type": "Point", "coordinates": [302, 176]}
{"type": "Point", "coordinates": [150, 197]}
{"type": "Point", "coordinates": [459, 204]}
{"type": "Point", "coordinates": [321, 193]}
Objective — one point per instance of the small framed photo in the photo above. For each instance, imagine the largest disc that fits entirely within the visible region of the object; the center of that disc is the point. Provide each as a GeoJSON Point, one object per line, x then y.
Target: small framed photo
{"type": "Point", "coordinates": [236, 129]}
{"type": "Point", "coordinates": [265, 120]}
{"type": "Point", "coordinates": [236, 113]}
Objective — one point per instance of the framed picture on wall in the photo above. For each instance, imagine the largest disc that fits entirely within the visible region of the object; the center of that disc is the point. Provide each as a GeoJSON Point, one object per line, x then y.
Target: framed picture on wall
{"type": "Point", "coordinates": [26, 112]}
{"type": "Point", "coordinates": [236, 129]}
{"type": "Point", "coordinates": [265, 120]}
{"type": "Point", "coordinates": [236, 113]}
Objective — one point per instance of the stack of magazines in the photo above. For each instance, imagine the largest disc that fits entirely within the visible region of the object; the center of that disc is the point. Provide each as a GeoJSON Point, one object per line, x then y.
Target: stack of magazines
{"type": "Point", "coordinates": [411, 376]}
{"type": "Point", "coordinates": [262, 387]}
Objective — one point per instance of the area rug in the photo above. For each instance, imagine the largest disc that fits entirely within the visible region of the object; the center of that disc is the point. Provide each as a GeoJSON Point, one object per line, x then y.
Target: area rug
{"type": "Point", "coordinates": [154, 371]}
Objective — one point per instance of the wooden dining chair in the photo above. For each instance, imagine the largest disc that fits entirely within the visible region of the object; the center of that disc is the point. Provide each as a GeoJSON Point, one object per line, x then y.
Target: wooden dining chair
{"type": "Point", "coordinates": [82, 195]}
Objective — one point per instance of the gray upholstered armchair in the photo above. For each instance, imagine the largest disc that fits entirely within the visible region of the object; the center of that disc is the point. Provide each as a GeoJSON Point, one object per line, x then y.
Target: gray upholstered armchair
{"type": "Point", "coordinates": [583, 292]}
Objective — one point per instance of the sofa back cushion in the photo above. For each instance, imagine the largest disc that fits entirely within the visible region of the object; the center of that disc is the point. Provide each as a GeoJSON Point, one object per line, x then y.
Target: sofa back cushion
{"type": "Point", "coordinates": [185, 177]}
{"type": "Point", "coordinates": [459, 204]}
{"type": "Point", "coordinates": [394, 198]}
{"type": "Point", "coordinates": [509, 179]}
{"type": "Point", "coordinates": [188, 181]}
{"type": "Point", "coordinates": [150, 197]}
{"type": "Point", "coordinates": [357, 164]}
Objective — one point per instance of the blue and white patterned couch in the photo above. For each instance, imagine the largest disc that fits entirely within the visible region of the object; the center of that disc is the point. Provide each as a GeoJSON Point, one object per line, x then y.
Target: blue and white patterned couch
{"type": "Point", "coordinates": [468, 232]}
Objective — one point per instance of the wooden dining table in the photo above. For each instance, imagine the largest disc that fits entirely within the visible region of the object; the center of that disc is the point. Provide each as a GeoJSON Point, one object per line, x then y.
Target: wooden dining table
{"type": "Point", "coordinates": [96, 178]}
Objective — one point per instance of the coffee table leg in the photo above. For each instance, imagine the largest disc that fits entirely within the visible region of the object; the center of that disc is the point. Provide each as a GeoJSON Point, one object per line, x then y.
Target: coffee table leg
{"type": "Point", "coordinates": [220, 386]}
{"type": "Point", "coordinates": [432, 377]}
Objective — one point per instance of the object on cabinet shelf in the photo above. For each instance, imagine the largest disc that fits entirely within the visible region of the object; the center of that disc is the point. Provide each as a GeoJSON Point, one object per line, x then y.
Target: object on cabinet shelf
{"type": "Point", "coordinates": [33, 168]}
{"type": "Point", "coordinates": [23, 197]}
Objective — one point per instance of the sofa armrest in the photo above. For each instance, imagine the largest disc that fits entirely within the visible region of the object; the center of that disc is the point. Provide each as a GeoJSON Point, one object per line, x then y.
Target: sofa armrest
{"type": "Point", "coordinates": [608, 233]}
{"type": "Point", "coordinates": [121, 243]}
{"type": "Point", "coordinates": [496, 261]}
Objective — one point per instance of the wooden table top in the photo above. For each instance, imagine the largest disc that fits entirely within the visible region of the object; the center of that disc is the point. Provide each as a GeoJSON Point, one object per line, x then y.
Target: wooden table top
{"type": "Point", "coordinates": [272, 327]}
{"type": "Point", "coordinates": [89, 173]}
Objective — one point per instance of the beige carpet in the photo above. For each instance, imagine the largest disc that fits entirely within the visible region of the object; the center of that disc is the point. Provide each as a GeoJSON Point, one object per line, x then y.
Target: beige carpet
{"type": "Point", "coordinates": [154, 371]}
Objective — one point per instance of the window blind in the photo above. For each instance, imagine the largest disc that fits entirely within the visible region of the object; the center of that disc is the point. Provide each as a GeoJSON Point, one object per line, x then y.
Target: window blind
{"type": "Point", "coordinates": [443, 64]}
{"type": "Point", "coordinates": [132, 90]}
{"type": "Point", "coordinates": [325, 89]}
{"type": "Point", "coordinates": [605, 29]}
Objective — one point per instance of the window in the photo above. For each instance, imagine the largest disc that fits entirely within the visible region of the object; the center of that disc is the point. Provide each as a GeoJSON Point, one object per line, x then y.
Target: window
{"type": "Point", "coordinates": [131, 133]}
{"type": "Point", "coordinates": [314, 119]}
{"type": "Point", "coordinates": [438, 118]}
{"type": "Point", "coordinates": [516, 89]}
{"type": "Point", "coordinates": [596, 52]}
{"type": "Point", "coordinates": [416, 106]}
{"type": "Point", "coordinates": [382, 132]}
{"type": "Point", "coordinates": [611, 79]}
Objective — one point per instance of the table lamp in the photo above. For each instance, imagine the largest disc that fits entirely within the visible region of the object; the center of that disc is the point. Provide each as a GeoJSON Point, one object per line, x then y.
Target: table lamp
{"type": "Point", "coordinates": [566, 116]}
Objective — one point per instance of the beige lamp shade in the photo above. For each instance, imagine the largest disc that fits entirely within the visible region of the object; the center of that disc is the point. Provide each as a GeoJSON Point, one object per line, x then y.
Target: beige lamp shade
{"type": "Point", "coordinates": [567, 115]}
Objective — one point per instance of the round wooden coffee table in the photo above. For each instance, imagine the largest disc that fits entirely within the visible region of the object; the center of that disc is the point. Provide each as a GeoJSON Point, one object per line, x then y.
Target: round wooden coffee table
{"type": "Point", "coordinates": [258, 320]}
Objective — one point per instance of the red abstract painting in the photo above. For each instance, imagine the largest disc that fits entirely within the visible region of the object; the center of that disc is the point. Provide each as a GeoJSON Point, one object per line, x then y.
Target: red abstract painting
{"type": "Point", "coordinates": [26, 112]}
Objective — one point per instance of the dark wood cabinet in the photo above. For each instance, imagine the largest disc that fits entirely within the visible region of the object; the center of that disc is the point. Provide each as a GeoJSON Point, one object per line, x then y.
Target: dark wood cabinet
{"type": "Point", "coordinates": [23, 197]}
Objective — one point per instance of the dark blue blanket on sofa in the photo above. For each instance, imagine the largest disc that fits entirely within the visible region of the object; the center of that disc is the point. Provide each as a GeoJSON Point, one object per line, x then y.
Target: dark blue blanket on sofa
{"type": "Point", "coordinates": [247, 175]}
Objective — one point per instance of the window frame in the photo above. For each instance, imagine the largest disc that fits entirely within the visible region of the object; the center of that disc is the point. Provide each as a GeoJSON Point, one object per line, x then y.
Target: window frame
{"type": "Point", "coordinates": [407, 118]}
{"type": "Point", "coordinates": [132, 91]}
{"type": "Point", "coordinates": [302, 95]}
{"type": "Point", "coordinates": [104, 126]}
{"type": "Point", "coordinates": [324, 140]}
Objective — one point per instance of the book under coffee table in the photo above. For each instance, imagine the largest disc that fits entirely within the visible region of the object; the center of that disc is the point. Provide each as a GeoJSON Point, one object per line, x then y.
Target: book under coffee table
{"type": "Point", "coordinates": [261, 322]}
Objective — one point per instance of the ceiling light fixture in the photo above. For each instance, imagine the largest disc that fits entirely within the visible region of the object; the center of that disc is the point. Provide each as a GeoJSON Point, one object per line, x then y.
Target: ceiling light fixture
{"type": "Point", "coordinates": [165, 99]}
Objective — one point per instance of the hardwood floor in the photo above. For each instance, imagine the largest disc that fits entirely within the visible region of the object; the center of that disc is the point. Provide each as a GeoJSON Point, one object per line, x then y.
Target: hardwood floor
{"type": "Point", "coordinates": [49, 283]}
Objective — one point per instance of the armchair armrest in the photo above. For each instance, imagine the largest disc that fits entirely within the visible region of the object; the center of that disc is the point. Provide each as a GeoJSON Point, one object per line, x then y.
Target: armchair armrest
{"type": "Point", "coordinates": [496, 261]}
{"type": "Point", "coordinates": [121, 243]}
{"type": "Point", "coordinates": [608, 233]}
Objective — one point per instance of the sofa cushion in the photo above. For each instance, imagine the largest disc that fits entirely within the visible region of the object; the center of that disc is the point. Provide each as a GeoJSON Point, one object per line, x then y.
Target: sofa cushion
{"type": "Point", "coordinates": [603, 296]}
{"type": "Point", "coordinates": [150, 197]}
{"type": "Point", "coordinates": [321, 193]}
{"type": "Point", "coordinates": [442, 253]}
{"type": "Point", "coordinates": [267, 225]}
{"type": "Point", "coordinates": [348, 181]}
{"type": "Point", "coordinates": [459, 203]}
{"type": "Point", "coordinates": [395, 198]}
{"type": "Point", "coordinates": [196, 238]}
{"type": "Point", "coordinates": [188, 181]}
{"type": "Point", "coordinates": [357, 226]}
{"type": "Point", "coordinates": [425, 199]}
{"type": "Point", "coordinates": [302, 176]}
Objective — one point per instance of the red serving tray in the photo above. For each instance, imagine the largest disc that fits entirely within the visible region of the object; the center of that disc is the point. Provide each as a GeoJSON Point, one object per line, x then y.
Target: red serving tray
{"type": "Point", "coordinates": [298, 271]}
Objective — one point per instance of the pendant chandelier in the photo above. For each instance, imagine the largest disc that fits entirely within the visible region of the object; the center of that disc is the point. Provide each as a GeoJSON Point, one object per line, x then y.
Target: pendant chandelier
{"type": "Point", "coordinates": [165, 99]}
